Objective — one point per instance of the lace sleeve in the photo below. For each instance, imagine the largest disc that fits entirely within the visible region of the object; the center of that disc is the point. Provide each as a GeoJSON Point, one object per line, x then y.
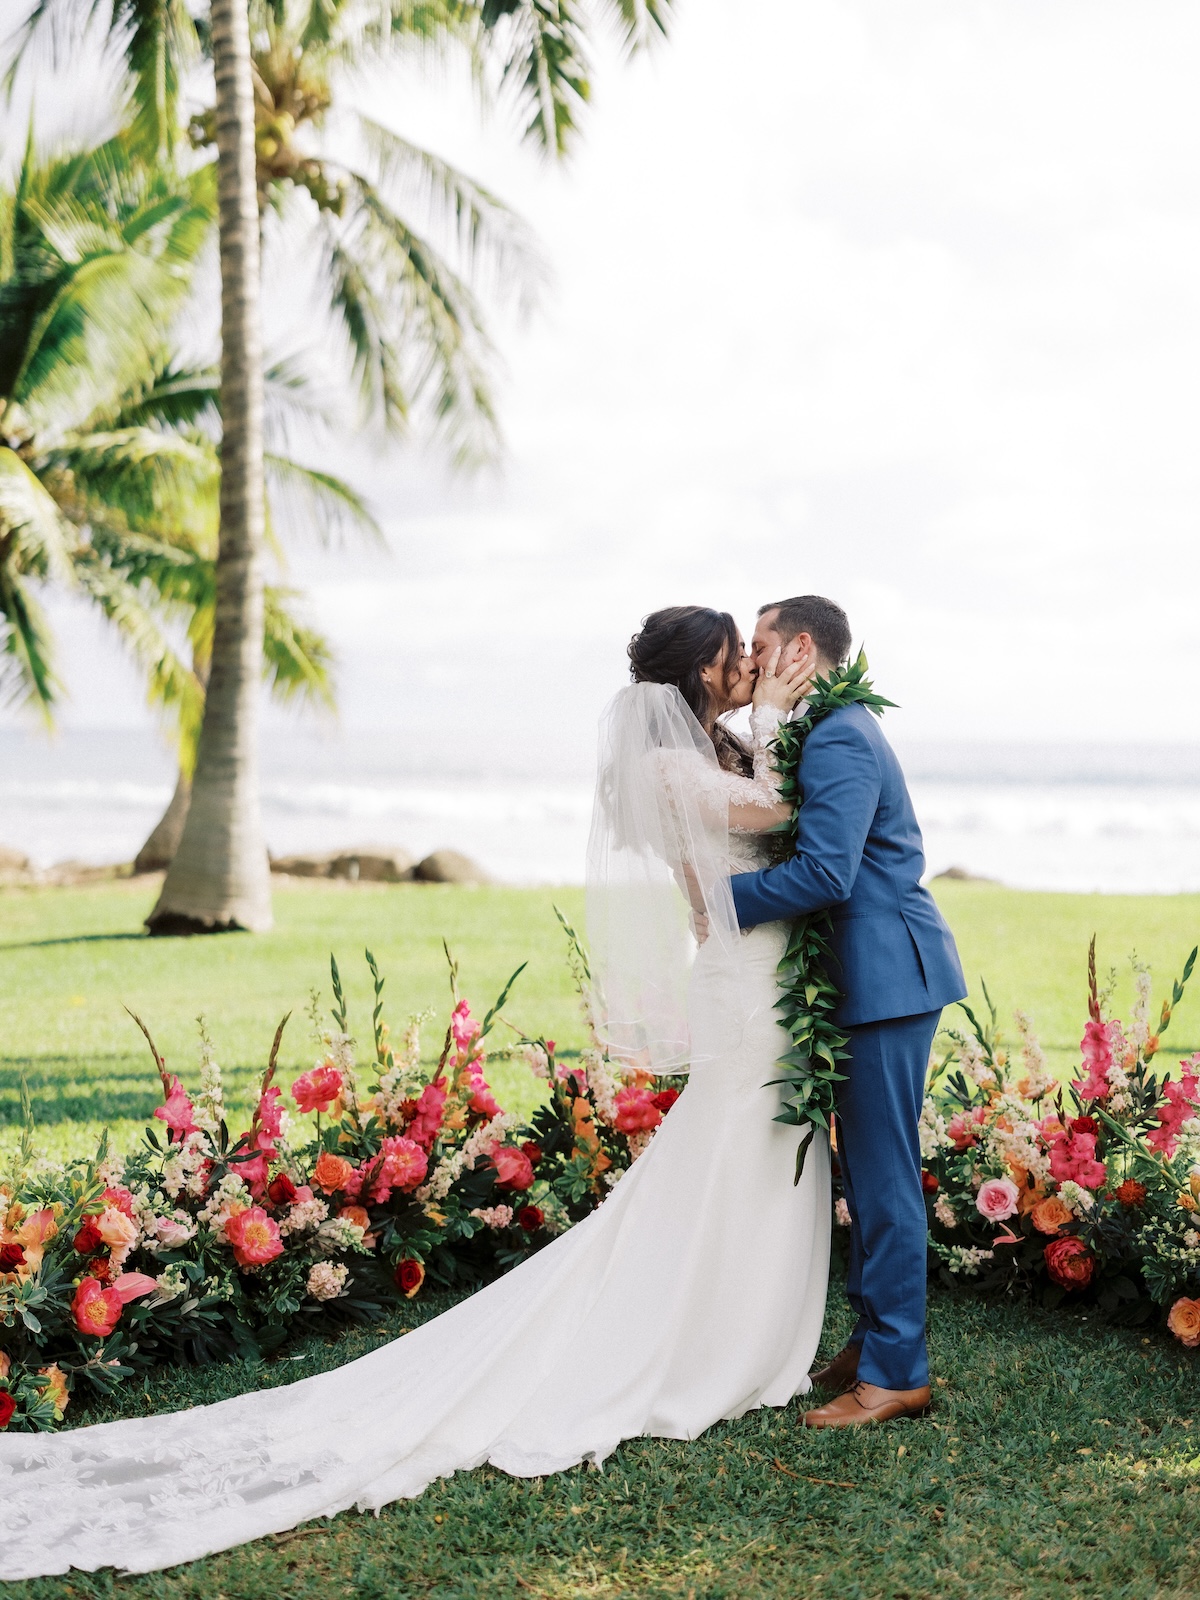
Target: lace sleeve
{"type": "Point", "coordinates": [752, 804]}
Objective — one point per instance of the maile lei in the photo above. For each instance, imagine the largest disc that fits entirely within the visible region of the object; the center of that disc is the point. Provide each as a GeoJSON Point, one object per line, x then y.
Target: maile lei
{"type": "Point", "coordinates": [808, 995]}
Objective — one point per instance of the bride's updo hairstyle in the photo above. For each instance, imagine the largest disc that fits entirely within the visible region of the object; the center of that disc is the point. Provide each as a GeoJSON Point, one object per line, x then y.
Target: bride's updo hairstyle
{"type": "Point", "coordinates": [673, 646]}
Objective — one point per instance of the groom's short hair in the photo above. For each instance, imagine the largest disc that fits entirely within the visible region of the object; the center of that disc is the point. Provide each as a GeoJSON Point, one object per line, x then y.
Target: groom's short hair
{"type": "Point", "coordinates": [826, 623]}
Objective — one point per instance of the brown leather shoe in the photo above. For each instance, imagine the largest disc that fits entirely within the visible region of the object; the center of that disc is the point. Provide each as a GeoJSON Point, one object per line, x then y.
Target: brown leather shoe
{"type": "Point", "coordinates": [867, 1402]}
{"type": "Point", "coordinates": [840, 1373]}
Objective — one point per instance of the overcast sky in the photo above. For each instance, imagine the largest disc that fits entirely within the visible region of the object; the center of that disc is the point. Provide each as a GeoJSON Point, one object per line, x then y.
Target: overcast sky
{"type": "Point", "coordinates": [898, 303]}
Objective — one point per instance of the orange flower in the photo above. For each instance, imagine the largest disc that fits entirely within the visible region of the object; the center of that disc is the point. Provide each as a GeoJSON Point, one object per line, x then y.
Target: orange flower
{"type": "Point", "coordinates": [1050, 1215]}
{"type": "Point", "coordinates": [35, 1233]}
{"type": "Point", "coordinates": [357, 1215]}
{"type": "Point", "coordinates": [1184, 1321]}
{"type": "Point", "coordinates": [5, 1364]}
{"type": "Point", "coordinates": [55, 1388]}
{"type": "Point", "coordinates": [331, 1172]}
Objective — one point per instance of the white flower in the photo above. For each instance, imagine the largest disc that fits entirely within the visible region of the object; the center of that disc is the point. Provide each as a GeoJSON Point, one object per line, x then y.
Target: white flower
{"type": "Point", "coordinates": [841, 1212]}
{"type": "Point", "coordinates": [494, 1217]}
{"type": "Point", "coordinates": [339, 1234]}
{"type": "Point", "coordinates": [111, 1171]}
{"type": "Point", "coordinates": [931, 1130]}
{"type": "Point", "coordinates": [1038, 1081]}
{"type": "Point", "coordinates": [327, 1280]}
{"type": "Point", "coordinates": [639, 1142]}
{"type": "Point", "coordinates": [535, 1058]}
{"type": "Point", "coordinates": [172, 1282]}
{"type": "Point", "coordinates": [1077, 1199]}
{"type": "Point", "coordinates": [302, 1215]}
{"type": "Point", "coordinates": [944, 1212]}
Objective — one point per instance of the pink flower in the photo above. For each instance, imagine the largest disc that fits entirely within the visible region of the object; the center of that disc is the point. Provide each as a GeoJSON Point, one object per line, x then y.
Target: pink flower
{"type": "Point", "coordinates": [423, 1129]}
{"type": "Point", "coordinates": [121, 1198]}
{"type": "Point", "coordinates": [463, 1029]}
{"type": "Point", "coordinates": [177, 1112]}
{"type": "Point", "coordinates": [132, 1285]}
{"type": "Point", "coordinates": [172, 1233]}
{"type": "Point", "coordinates": [483, 1102]}
{"type": "Point", "coordinates": [1096, 1046]}
{"type": "Point", "coordinates": [269, 1118]}
{"type": "Point", "coordinates": [514, 1170]}
{"type": "Point", "coordinates": [118, 1232]}
{"type": "Point", "coordinates": [96, 1310]}
{"type": "Point", "coordinates": [318, 1089]}
{"type": "Point", "coordinates": [254, 1237]}
{"type": "Point", "coordinates": [401, 1164]}
{"type": "Point", "coordinates": [253, 1172]}
{"type": "Point", "coordinates": [636, 1111]}
{"type": "Point", "coordinates": [997, 1199]}
{"type": "Point", "coordinates": [1073, 1160]}
{"type": "Point", "coordinates": [964, 1128]}
{"type": "Point", "coordinates": [1179, 1105]}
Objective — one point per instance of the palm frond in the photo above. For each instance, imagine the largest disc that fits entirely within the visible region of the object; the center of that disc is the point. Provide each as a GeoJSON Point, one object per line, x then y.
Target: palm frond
{"type": "Point", "coordinates": [27, 674]}
{"type": "Point", "coordinates": [327, 503]}
{"type": "Point", "coordinates": [35, 538]}
{"type": "Point", "coordinates": [297, 660]}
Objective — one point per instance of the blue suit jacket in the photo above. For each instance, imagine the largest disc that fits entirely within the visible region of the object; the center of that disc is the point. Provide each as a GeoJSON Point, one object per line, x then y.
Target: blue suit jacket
{"type": "Point", "coordinates": [859, 854]}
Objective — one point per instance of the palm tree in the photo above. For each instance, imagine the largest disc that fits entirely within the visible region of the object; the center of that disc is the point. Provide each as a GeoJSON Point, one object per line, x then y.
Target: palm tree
{"type": "Point", "coordinates": [108, 461]}
{"type": "Point", "coordinates": [412, 325]}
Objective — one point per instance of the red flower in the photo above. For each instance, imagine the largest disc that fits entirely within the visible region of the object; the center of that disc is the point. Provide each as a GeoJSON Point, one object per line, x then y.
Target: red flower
{"type": "Point", "coordinates": [96, 1310]}
{"type": "Point", "coordinates": [531, 1218]}
{"type": "Point", "coordinates": [100, 1268]}
{"type": "Point", "coordinates": [409, 1275]}
{"type": "Point", "coordinates": [11, 1257]}
{"type": "Point", "coordinates": [533, 1151]}
{"type": "Point", "coordinates": [514, 1170]}
{"type": "Point", "coordinates": [281, 1191]}
{"type": "Point", "coordinates": [1131, 1193]}
{"type": "Point", "coordinates": [664, 1100]}
{"type": "Point", "coordinates": [7, 1406]}
{"type": "Point", "coordinates": [1069, 1262]}
{"type": "Point", "coordinates": [88, 1240]}
{"type": "Point", "coordinates": [929, 1182]}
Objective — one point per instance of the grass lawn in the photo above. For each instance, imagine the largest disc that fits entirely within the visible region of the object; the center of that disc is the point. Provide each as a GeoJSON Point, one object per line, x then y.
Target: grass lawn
{"type": "Point", "coordinates": [1061, 1459]}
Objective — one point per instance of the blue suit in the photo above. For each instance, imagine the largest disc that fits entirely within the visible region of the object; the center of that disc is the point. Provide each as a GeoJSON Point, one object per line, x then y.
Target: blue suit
{"type": "Point", "coordinates": [859, 855]}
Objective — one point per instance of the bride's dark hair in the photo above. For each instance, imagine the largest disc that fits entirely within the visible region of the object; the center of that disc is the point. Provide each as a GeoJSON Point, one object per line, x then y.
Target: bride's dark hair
{"type": "Point", "coordinates": [672, 646]}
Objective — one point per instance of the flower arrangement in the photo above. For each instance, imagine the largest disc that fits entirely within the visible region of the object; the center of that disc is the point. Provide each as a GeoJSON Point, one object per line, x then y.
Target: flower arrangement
{"type": "Point", "coordinates": [371, 1182]}
{"type": "Point", "coordinates": [1085, 1193]}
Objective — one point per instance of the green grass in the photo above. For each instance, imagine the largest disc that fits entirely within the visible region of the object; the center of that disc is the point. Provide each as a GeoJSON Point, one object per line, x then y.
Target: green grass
{"type": "Point", "coordinates": [1061, 1460]}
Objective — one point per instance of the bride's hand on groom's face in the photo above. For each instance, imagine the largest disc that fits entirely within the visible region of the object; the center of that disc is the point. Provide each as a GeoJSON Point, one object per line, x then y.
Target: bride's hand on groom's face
{"type": "Point", "coordinates": [782, 684]}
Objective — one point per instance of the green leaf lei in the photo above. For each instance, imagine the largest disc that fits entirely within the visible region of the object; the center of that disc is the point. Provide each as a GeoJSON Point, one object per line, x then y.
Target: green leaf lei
{"type": "Point", "coordinates": [808, 996]}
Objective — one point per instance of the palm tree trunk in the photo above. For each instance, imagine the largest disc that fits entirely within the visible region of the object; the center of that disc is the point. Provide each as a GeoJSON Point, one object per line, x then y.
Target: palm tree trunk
{"type": "Point", "coordinates": [220, 878]}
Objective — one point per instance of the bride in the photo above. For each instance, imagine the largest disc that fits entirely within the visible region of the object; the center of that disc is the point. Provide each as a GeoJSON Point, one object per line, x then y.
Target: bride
{"type": "Point", "coordinates": [696, 1292]}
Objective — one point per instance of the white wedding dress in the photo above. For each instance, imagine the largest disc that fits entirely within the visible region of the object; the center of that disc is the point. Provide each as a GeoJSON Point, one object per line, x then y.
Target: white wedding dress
{"type": "Point", "coordinates": [696, 1292]}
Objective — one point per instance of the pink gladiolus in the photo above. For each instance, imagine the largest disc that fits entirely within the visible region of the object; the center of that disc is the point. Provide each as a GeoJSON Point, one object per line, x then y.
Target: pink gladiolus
{"type": "Point", "coordinates": [254, 1237]}
{"type": "Point", "coordinates": [997, 1199]}
{"type": "Point", "coordinates": [1073, 1160]}
{"type": "Point", "coordinates": [254, 1172]}
{"type": "Point", "coordinates": [1179, 1105]}
{"type": "Point", "coordinates": [514, 1170]}
{"type": "Point", "coordinates": [423, 1129]}
{"type": "Point", "coordinates": [269, 1117]}
{"type": "Point", "coordinates": [131, 1286]}
{"type": "Point", "coordinates": [482, 1102]}
{"type": "Point", "coordinates": [463, 1028]}
{"type": "Point", "coordinates": [401, 1164]}
{"type": "Point", "coordinates": [177, 1112]}
{"type": "Point", "coordinates": [636, 1111]}
{"type": "Point", "coordinates": [1096, 1046]}
{"type": "Point", "coordinates": [318, 1089]}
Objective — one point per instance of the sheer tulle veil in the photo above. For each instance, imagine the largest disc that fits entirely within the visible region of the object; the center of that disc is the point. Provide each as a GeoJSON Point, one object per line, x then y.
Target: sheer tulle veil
{"type": "Point", "coordinates": [658, 855]}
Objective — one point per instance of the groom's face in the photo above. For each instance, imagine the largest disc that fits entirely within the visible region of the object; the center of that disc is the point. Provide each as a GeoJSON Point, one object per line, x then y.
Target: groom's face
{"type": "Point", "coordinates": [767, 640]}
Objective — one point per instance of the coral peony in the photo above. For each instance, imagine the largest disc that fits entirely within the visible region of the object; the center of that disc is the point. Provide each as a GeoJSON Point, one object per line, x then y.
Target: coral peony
{"type": "Point", "coordinates": [1051, 1215]}
{"type": "Point", "coordinates": [423, 1129]}
{"type": "Point", "coordinates": [531, 1218]}
{"type": "Point", "coordinates": [318, 1089]}
{"type": "Point", "coordinates": [12, 1256]}
{"type": "Point", "coordinates": [331, 1172]}
{"type": "Point", "coordinates": [121, 1198]}
{"type": "Point", "coordinates": [636, 1111]}
{"type": "Point", "coordinates": [665, 1099]}
{"type": "Point", "coordinates": [1069, 1262]}
{"type": "Point", "coordinates": [177, 1112]}
{"type": "Point", "coordinates": [409, 1275]}
{"type": "Point", "coordinates": [514, 1170]}
{"type": "Point", "coordinates": [401, 1164]}
{"type": "Point", "coordinates": [7, 1406]}
{"type": "Point", "coordinates": [254, 1237]}
{"type": "Point", "coordinates": [281, 1191]}
{"type": "Point", "coordinates": [96, 1310]}
{"type": "Point", "coordinates": [997, 1199]}
{"type": "Point", "coordinates": [1184, 1321]}
{"type": "Point", "coordinates": [1131, 1193]}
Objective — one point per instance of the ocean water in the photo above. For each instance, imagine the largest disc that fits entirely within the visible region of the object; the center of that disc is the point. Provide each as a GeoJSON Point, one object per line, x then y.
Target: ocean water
{"type": "Point", "coordinates": [1116, 819]}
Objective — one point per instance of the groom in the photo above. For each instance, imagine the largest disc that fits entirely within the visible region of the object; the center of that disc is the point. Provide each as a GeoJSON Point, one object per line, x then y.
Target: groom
{"type": "Point", "coordinates": [859, 856]}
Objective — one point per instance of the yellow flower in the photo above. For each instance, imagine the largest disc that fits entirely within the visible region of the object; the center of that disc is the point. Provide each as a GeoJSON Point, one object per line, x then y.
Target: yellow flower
{"type": "Point", "coordinates": [55, 1388]}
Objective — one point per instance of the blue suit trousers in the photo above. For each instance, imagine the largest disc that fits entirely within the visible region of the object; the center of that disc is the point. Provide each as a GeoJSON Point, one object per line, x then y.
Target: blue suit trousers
{"type": "Point", "coordinates": [878, 1109]}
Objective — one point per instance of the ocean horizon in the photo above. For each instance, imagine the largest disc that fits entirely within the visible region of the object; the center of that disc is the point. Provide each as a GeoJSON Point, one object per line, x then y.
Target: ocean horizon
{"type": "Point", "coordinates": [1087, 818]}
